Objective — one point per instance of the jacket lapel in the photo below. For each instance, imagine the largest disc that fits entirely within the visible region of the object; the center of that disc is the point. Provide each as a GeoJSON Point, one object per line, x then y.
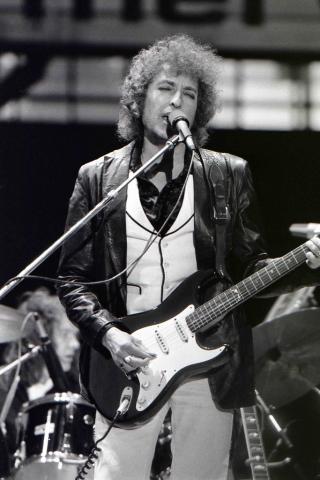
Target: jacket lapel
{"type": "Point", "coordinates": [116, 171]}
{"type": "Point", "coordinates": [203, 218]}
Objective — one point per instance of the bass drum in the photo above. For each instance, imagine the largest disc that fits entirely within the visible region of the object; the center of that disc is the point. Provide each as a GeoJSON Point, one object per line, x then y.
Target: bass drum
{"type": "Point", "coordinates": [55, 437]}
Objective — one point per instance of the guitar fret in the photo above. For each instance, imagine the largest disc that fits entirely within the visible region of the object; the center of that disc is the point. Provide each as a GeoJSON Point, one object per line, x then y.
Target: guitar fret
{"type": "Point", "coordinates": [252, 282]}
{"type": "Point", "coordinates": [281, 267]}
{"type": "Point", "coordinates": [225, 302]}
{"type": "Point", "coordinates": [243, 288]}
{"type": "Point", "coordinates": [294, 257]}
{"type": "Point", "coordinates": [259, 275]}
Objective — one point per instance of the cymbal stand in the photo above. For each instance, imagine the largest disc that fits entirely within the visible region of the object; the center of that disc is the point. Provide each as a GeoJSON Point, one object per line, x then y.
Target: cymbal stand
{"type": "Point", "coordinates": [283, 436]}
{"type": "Point", "coordinates": [279, 430]}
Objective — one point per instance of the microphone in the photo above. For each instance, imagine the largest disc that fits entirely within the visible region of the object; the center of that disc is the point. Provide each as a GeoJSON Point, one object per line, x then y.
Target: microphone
{"type": "Point", "coordinates": [179, 121]}
{"type": "Point", "coordinates": [305, 230]}
{"type": "Point", "coordinates": [50, 357]}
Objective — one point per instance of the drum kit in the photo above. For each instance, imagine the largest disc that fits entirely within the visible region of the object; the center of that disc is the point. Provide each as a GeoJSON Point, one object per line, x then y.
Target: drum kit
{"type": "Point", "coordinates": [54, 432]}
{"type": "Point", "coordinates": [56, 437]}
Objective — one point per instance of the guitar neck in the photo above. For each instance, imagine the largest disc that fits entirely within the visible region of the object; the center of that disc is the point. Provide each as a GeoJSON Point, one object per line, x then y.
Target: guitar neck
{"type": "Point", "coordinates": [252, 433]}
{"type": "Point", "coordinates": [212, 311]}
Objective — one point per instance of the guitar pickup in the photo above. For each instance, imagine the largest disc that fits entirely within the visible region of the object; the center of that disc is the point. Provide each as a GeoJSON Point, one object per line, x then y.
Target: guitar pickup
{"type": "Point", "coordinates": [181, 331]}
{"type": "Point", "coordinates": [161, 341]}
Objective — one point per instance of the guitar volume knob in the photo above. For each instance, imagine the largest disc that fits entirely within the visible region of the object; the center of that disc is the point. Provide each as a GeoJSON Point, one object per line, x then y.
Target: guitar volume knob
{"type": "Point", "coordinates": [145, 384]}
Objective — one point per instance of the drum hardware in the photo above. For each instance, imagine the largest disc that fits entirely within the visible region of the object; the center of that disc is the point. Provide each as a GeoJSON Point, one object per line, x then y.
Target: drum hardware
{"type": "Point", "coordinates": [56, 435]}
{"type": "Point", "coordinates": [281, 433]}
{"type": "Point", "coordinates": [12, 327]}
{"type": "Point", "coordinates": [287, 367]}
{"type": "Point", "coordinates": [259, 464]}
{"type": "Point", "coordinates": [88, 420]}
{"type": "Point", "coordinates": [19, 455]}
{"type": "Point", "coordinates": [283, 439]}
{"type": "Point", "coordinates": [66, 446]}
{"type": "Point", "coordinates": [8, 402]}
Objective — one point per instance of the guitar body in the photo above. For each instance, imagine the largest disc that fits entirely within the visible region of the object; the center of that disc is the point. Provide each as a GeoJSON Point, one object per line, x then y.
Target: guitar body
{"type": "Point", "coordinates": [173, 331]}
{"type": "Point", "coordinates": [180, 354]}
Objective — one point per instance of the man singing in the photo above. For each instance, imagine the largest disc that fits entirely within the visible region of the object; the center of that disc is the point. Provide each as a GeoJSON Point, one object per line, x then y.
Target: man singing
{"type": "Point", "coordinates": [173, 204]}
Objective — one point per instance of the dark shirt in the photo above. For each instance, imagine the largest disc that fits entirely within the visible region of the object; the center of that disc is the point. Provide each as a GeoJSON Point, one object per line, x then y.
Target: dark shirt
{"type": "Point", "coordinates": [158, 205]}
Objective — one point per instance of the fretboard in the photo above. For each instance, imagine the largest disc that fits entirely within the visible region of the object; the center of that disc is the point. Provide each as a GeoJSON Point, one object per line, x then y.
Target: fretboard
{"type": "Point", "coordinates": [212, 310]}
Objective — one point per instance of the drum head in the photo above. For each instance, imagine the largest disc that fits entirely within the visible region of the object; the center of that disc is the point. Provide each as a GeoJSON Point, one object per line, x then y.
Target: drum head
{"type": "Point", "coordinates": [56, 398]}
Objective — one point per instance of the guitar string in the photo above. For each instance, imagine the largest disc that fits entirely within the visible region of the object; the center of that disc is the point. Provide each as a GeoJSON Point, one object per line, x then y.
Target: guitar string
{"type": "Point", "coordinates": [165, 329]}
{"type": "Point", "coordinates": [226, 303]}
{"type": "Point", "coordinates": [196, 319]}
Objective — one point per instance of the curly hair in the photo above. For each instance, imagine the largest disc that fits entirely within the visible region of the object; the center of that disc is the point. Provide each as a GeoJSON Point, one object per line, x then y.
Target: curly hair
{"type": "Point", "coordinates": [51, 311]}
{"type": "Point", "coordinates": [186, 56]}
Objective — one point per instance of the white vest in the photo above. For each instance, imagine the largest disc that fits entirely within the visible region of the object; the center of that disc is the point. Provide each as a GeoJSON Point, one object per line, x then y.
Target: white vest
{"type": "Point", "coordinates": [167, 262]}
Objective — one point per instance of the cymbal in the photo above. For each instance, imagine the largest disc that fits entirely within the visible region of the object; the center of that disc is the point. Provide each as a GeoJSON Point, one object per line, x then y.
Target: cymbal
{"type": "Point", "coordinates": [287, 353]}
{"type": "Point", "coordinates": [11, 321]}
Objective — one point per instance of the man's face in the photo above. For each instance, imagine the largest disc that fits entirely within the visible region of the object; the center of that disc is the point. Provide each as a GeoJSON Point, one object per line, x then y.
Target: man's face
{"type": "Point", "coordinates": [65, 341]}
{"type": "Point", "coordinates": [168, 92]}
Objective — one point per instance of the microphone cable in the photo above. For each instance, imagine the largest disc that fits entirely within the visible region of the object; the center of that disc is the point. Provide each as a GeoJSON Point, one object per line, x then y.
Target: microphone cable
{"type": "Point", "coordinates": [153, 236]}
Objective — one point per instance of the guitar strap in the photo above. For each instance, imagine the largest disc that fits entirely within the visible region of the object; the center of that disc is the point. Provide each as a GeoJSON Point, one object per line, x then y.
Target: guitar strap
{"type": "Point", "coordinates": [220, 181]}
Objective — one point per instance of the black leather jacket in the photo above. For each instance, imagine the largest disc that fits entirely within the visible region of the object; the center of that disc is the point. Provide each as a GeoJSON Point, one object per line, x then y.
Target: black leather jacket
{"type": "Point", "coordinates": [98, 251]}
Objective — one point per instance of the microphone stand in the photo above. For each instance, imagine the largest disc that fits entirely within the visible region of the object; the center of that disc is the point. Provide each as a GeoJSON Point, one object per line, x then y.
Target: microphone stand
{"type": "Point", "coordinates": [170, 144]}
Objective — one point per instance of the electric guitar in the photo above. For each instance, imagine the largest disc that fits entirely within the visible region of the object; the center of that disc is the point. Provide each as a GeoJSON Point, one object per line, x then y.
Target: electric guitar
{"type": "Point", "coordinates": [253, 438]}
{"type": "Point", "coordinates": [173, 332]}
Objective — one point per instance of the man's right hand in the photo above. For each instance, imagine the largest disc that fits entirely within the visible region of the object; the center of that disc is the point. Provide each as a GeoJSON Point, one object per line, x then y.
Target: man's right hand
{"type": "Point", "coordinates": [127, 352]}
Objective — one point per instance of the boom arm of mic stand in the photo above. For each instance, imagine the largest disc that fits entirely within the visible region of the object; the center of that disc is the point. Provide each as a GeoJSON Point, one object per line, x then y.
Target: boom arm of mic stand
{"type": "Point", "coordinates": [170, 144]}
{"type": "Point", "coordinates": [22, 359]}
{"type": "Point", "coordinates": [8, 401]}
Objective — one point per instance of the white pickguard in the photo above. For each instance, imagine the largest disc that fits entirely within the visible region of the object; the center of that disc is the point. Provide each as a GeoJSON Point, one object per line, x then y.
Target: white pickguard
{"type": "Point", "coordinates": [176, 348]}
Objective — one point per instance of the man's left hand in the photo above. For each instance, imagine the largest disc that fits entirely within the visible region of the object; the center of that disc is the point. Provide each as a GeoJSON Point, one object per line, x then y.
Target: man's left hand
{"type": "Point", "coordinates": [313, 257]}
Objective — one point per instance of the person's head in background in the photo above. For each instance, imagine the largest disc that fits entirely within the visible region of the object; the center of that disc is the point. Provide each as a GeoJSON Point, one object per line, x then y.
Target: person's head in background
{"type": "Point", "coordinates": [63, 335]}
